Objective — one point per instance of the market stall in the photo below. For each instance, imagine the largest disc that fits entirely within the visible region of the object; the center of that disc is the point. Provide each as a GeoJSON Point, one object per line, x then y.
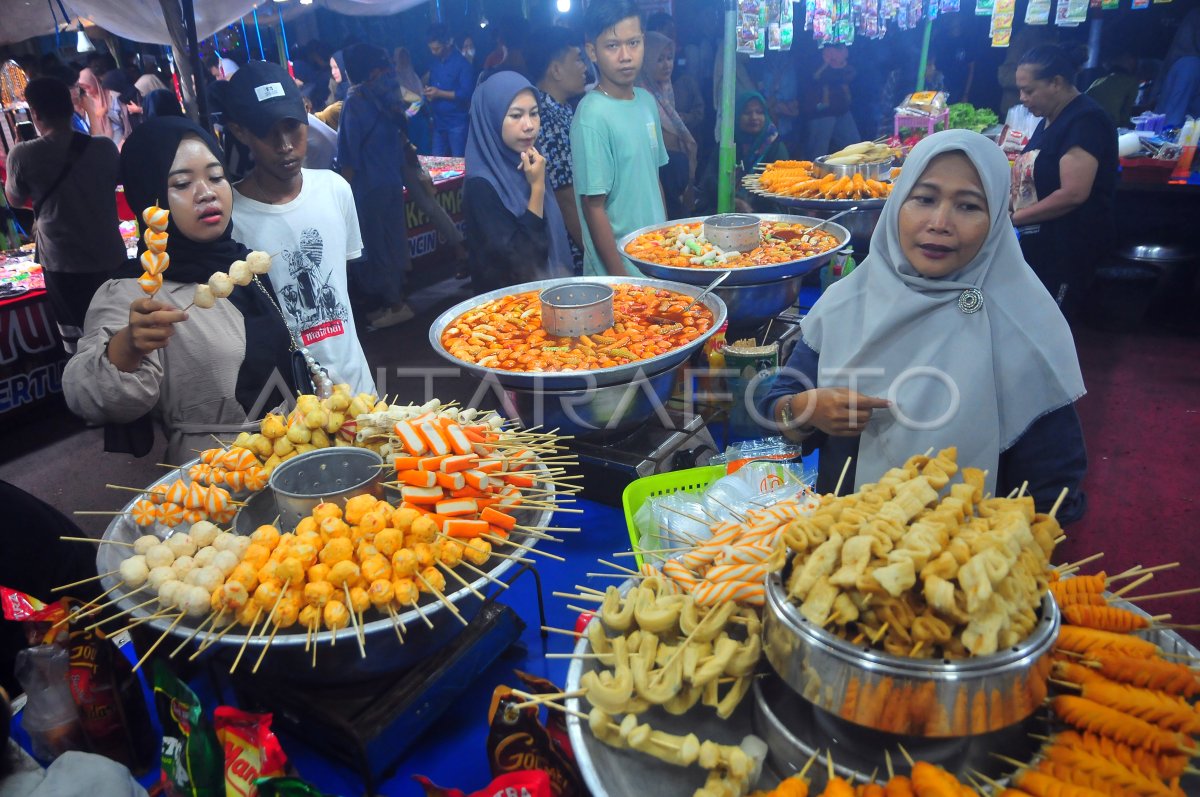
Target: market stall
{"type": "Point", "coordinates": [32, 358]}
{"type": "Point", "coordinates": [425, 247]}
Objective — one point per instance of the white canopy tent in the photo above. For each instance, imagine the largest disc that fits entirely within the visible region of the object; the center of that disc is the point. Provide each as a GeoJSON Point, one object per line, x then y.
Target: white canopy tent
{"type": "Point", "coordinates": [143, 20]}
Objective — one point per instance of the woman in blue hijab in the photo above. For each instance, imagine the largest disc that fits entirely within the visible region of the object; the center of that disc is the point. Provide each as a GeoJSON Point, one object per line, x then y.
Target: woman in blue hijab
{"type": "Point", "coordinates": [515, 232]}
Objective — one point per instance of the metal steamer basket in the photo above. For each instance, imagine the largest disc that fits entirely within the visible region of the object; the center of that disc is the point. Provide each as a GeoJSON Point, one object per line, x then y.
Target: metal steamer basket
{"type": "Point", "coordinates": [598, 403]}
{"type": "Point", "coordinates": [907, 696]}
{"type": "Point", "coordinates": [338, 663]}
{"type": "Point", "coordinates": [753, 294]}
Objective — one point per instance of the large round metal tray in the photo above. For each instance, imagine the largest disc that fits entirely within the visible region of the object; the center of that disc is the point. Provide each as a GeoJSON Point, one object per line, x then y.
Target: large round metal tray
{"type": "Point", "coordinates": [384, 652]}
{"type": "Point", "coordinates": [577, 380]}
{"type": "Point", "coordinates": [908, 696]}
{"type": "Point", "coordinates": [744, 275]}
{"type": "Point", "coordinates": [751, 184]}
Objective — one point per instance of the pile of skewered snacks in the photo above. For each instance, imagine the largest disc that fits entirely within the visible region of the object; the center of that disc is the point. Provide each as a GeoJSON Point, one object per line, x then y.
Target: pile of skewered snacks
{"type": "Point", "coordinates": [670, 652]}
{"type": "Point", "coordinates": [684, 246]}
{"type": "Point", "coordinates": [796, 178]}
{"type": "Point", "coordinates": [926, 780]}
{"type": "Point", "coordinates": [235, 468]}
{"type": "Point", "coordinates": [314, 423]}
{"type": "Point", "coordinates": [733, 564]}
{"type": "Point", "coordinates": [963, 576]}
{"type": "Point", "coordinates": [155, 259]}
{"type": "Point", "coordinates": [731, 768]}
{"type": "Point", "coordinates": [463, 477]}
{"type": "Point", "coordinates": [506, 333]}
{"type": "Point", "coordinates": [190, 501]}
{"type": "Point", "coordinates": [864, 152]}
{"type": "Point", "coordinates": [221, 284]}
{"type": "Point", "coordinates": [1132, 723]}
{"type": "Point", "coordinates": [186, 569]}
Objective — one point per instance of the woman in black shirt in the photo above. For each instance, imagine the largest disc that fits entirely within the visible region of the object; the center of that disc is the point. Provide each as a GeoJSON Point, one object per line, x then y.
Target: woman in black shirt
{"type": "Point", "coordinates": [515, 233]}
{"type": "Point", "coordinates": [1065, 178]}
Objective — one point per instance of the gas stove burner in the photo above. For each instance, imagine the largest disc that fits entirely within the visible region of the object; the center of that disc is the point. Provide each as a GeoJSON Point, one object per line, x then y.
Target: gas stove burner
{"type": "Point", "coordinates": [794, 729]}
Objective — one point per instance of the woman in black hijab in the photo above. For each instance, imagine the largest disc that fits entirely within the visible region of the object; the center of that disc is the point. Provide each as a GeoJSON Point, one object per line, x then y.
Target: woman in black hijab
{"type": "Point", "coordinates": [199, 372]}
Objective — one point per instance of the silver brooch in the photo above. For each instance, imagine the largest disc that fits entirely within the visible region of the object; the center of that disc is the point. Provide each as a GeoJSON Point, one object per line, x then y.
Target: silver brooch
{"type": "Point", "coordinates": [970, 300]}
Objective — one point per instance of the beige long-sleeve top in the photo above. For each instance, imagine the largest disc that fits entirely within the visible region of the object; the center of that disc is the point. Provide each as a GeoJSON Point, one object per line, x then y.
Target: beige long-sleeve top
{"type": "Point", "coordinates": [188, 385]}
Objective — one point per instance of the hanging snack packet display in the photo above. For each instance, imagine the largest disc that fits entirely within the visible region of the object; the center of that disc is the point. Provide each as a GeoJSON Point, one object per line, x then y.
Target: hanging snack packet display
{"type": "Point", "coordinates": [752, 28]}
{"type": "Point", "coordinates": [951, 6]}
{"type": "Point", "coordinates": [1037, 12]}
{"type": "Point", "coordinates": [869, 22]}
{"type": "Point", "coordinates": [251, 749]}
{"type": "Point", "coordinates": [1002, 22]}
{"type": "Point", "coordinates": [983, 8]}
{"type": "Point", "coordinates": [191, 756]}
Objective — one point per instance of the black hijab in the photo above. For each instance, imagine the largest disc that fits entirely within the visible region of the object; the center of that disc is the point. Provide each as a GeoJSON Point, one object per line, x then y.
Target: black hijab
{"type": "Point", "coordinates": [146, 159]}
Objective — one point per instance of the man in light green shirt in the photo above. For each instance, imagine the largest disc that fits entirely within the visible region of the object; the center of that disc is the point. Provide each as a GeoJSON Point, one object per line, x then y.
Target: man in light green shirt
{"type": "Point", "coordinates": [616, 142]}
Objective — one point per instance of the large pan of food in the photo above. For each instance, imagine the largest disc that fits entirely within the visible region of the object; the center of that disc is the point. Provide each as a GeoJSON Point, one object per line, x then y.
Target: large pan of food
{"type": "Point", "coordinates": [788, 247]}
{"type": "Point", "coordinates": [917, 614]}
{"type": "Point", "coordinates": [394, 576]}
{"type": "Point", "coordinates": [498, 336]}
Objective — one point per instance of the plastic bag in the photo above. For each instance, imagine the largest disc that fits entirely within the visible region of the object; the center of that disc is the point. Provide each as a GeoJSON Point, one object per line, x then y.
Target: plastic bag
{"type": "Point", "coordinates": [923, 103]}
{"type": "Point", "coordinates": [251, 750]}
{"type": "Point", "coordinates": [286, 787]}
{"type": "Point", "coordinates": [191, 755]}
{"type": "Point", "coordinates": [531, 783]}
{"type": "Point", "coordinates": [50, 717]}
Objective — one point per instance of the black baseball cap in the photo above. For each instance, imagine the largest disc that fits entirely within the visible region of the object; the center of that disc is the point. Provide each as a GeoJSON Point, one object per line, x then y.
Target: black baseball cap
{"type": "Point", "coordinates": [259, 95]}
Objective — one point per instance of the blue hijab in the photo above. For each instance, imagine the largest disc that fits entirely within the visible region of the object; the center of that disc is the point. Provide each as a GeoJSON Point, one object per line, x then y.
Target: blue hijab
{"type": "Point", "coordinates": [490, 158]}
{"type": "Point", "coordinates": [343, 88]}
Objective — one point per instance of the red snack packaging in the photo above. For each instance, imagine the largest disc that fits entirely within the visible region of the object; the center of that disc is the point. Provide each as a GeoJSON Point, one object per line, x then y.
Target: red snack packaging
{"type": "Point", "coordinates": [251, 749]}
{"type": "Point", "coordinates": [533, 783]}
{"type": "Point", "coordinates": [556, 721]}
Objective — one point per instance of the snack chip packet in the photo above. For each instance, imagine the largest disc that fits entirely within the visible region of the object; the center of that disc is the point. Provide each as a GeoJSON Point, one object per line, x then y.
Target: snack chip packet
{"type": "Point", "coordinates": [517, 741]}
{"type": "Point", "coordinates": [251, 750]}
{"type": "Point", "coordinates": [530, 783]}
{"type": "Point", "coordinates": [191, 757]}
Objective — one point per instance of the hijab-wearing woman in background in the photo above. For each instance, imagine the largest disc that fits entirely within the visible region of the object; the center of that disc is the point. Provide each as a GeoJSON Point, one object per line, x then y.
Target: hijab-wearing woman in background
{"type": "Point", "coordinates": [161, 102]}
{"type": "Point", "coordinates": [756, 140]}
{"type": "Point", "coordinates": [679, 175]}
{"type": "Point", "coordinates": [943, 336]}
{"type": "Point", "coordinates": [413, 91]}
{"type": "Point", "coordinates": [1066, 178]}
{"type": "Point", "coordinates": [99, 105]}
{"type": "Point", "coordinates": [339, 87]}
{"type": "Point", "coordinates": [515, 232]}
{"type": "Point", "coordinates": [200, 372]}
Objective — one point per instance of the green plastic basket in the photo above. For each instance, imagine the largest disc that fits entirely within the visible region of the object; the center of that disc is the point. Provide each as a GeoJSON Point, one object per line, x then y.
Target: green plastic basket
{"type": "Point", "coordinates": [692, 480]}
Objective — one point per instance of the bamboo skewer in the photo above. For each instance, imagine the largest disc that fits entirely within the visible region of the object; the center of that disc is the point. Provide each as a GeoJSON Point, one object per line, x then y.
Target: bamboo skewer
{"type": "Point", "coordinates": [537, 700]}
{"type": "Point", "coordinates": [396, 624]}
{"type": "Point", "coordinates": [246, 639]}
{"type": "Point", "coordinates": [213, 618]}
{"type": "Point", "coordinates": [270, 639]}
{"type": "Point", "coordinates": [570, 595]}
{"type": "Point", "coordinates": [120, 614]}
{"type": "Point", "coordinates": [358, 637]}
{"type": "Point", "coordinates": [562, 631]}
{"type": "Point", "coordinates": [143, 620]}
{"type": "Point", "coordinates": [1134, 572]}
{"type": "Point", "coordinates": [445, 601]}
{"type": "Point", "coordinates": [451, 572]}
{"type": "Point", "coordinates": [1156, 596]}
{"type": "Point", "coordinates": [529, 549]}
{"type": "Point", "coordinates": [158, 641]}
{"type": "Point", "coordinates": [417, 609]}
{"type": "Point", "coordinates": [208, 643]}
{"type": "Point", "coordinates": [97, 541]}
{"type": "Point", "coordinates": [1133, 585]}
{"type": "Point", "coordinates": [618, 567]}
{"type": "Point", "coordinates": [87, 609]}
{"type": "Point", "coordinates": [61, 587]}
{"type": "Point", "coordinates": [484, 573]}
{"type": "Point", "coordinates": [1058, 502]}
{"type": "Point", "coordinates": [845, 469]}
{"type": "Point", "coordinates": [1076, 565]}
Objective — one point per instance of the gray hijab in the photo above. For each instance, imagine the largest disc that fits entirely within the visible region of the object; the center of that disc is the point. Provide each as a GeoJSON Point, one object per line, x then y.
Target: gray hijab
{"type": "Point", "coordinates": [956, 376]}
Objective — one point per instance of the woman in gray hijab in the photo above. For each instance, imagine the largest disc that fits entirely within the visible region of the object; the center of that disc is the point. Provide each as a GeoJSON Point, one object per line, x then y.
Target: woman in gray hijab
{"type": "Point", "coordinates": [943, 336]}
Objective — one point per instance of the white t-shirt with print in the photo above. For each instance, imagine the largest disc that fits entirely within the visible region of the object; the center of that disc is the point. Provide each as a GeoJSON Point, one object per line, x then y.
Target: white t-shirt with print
{"type": "Point", "coordinates": [311, 239]}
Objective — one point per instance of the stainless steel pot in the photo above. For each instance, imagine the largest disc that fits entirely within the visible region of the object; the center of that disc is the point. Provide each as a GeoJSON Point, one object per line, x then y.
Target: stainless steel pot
{"type": "Point", "coordinates": [879, 170]}
{"type": "Point", "coordinates": [338, 663]}
{"type": "Point", "coordinates": [900, 695]}
{"type": "Point", "coordinates": [577, 308]}
{"type": "Point", "coordinates": [746, 275]}
{"type": "Point", "coordinates": [327, 474]}
{"type": "Point", "coordinates": [603, 412]}
{"type": "Point", "coordinates": [578, 380]}
{"type": "Point", "coordinates": [733, 231]}
{"type": "Point", "coordinates": [751, 306]}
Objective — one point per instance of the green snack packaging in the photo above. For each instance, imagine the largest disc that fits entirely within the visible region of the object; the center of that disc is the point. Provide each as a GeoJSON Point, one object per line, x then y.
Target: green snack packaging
{"type": "Point", "coordinates": [193, 764]}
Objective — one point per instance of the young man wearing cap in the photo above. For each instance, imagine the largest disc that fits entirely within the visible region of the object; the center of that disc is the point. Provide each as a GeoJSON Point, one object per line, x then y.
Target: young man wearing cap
{"type": "Point", "coordinates": [305, 218]}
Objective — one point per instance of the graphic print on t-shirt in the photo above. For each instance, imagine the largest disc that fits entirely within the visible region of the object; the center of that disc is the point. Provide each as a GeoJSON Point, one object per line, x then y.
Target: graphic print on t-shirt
{"type": "Point", "coordinates": [312, 301]}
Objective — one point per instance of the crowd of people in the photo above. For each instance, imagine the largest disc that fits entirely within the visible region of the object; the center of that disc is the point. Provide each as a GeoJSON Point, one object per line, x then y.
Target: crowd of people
{"type": "Point", "coordinates": [569, 145]}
